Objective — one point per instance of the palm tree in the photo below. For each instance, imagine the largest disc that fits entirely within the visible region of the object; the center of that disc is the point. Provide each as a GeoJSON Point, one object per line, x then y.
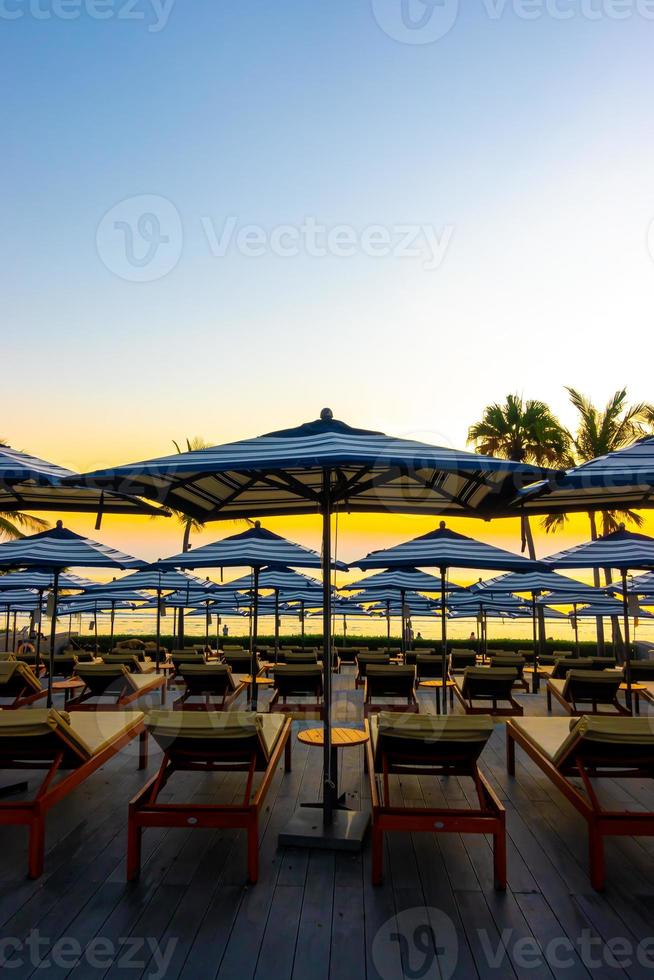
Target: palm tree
{"type": "Point", "coordinates": [602, 431]}
{"type": "Point", "coordinates": [14, 524]}
{"type": "Point", "coordinates": [525, 432]}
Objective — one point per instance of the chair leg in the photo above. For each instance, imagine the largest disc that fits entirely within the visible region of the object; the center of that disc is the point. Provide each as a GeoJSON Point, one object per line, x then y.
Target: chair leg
{"type": "Point", "coordinates": [36, 851]}
{"type": "Point", "coordinates": [510, 754]}
{"type": "Point", "coordinates": [549, 699]}
{"type": "Point", "coordinates": [287, 755]}
{"type": "Point", "coordinates": [134, 834]}
{"type": "Point", "coordinates": [143, 750]}
{"type": "Point", "coordinates": [499, 858]}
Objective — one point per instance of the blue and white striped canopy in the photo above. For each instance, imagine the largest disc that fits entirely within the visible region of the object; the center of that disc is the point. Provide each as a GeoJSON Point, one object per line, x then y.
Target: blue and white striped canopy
{"type": "Point", "coordinates": [342, 607]}
{"type": "Point", "coordinates": [388, 595]}
{"type": "Point", "coordinates": [281, 579]}
{"type": "Point", "coordinates": [574, 598]}
{"type": "Point", "coordinates": [43, 581]}
{"type": "Point", "coordinates": [640, 585]}
{"type": "Point", "coordinates": [618, 481]}
{"type": "Point", "coordinates": [310, 597]}
{"type": "Point", "coordinates": [149, 580]}
{"type": "Point", "coordinates": [446, 549]}
{"type": "Point", "coordinates": [282, 473]}
{"type": "Point", "coordinates": [535, 582]}
{"type": "Point", "coordinates": [255, 548]}
{"type": "Point", "coordinates": [60, 548]}
{"type": "Point", "coordinates": [31, 484]}
{"type": "Point", "coordinates": [609, 609]}
{"type": "Point", "coordinates": [404, 579]}
{"type": "Point", "coordinates": [482, 603]}
{"type": "Point", "coordinates": [98, 606]}
{"type": "Point", "coordinates": [620, 549]}
{"type": "Point", "coordinates": [19, 599]}
{"type": "Point", "coordinates": [105, 598]}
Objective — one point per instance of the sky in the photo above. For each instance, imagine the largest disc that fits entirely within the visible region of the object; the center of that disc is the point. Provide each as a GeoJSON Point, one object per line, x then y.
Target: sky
{"type": "Point", "coordinates": [219, 218]}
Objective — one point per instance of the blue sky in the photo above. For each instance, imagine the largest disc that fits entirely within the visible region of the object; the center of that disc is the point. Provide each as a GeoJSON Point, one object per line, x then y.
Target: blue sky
{"type": "Point", "coordinates": [526, 146]}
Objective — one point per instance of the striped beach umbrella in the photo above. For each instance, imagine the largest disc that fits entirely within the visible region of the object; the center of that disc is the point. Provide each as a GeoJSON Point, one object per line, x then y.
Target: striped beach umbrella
{"type": "Point", "coordinates": [55, 550]}
{"type": "Point", "coordinates": [622, 480]}
{"type": "Point", "coordinates": [255, 548]}
{"type": "Point", "coordinates": [28, 483]}
{"type": "Point", "coordinates": [323, 467]}
{"type": "Point", "coordinates": [624, 550]}
{"type": "Point", "coordinates": [445, 549]}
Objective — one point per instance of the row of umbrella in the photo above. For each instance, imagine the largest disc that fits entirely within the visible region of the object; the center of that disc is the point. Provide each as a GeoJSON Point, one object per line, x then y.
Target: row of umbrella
{"type": "Point", "coordinates": [326, 466]}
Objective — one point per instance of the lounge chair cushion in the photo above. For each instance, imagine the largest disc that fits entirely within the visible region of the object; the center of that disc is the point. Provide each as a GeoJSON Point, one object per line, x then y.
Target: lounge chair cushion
{"type": "Point", "coordinates": [89, 733]}
{"type": "Point", "coordinates": [557, 737]}
{"type": "Point", "coordinates": [168, 727]}
{"type": "Point", "coordinates": [18, 671]}
{"type": "Point", "coordinates": [430, 728]}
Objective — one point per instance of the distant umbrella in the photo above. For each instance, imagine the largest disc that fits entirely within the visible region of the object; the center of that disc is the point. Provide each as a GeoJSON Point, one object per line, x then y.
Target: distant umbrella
{"type": "Point", "coordinates": [54, 551]}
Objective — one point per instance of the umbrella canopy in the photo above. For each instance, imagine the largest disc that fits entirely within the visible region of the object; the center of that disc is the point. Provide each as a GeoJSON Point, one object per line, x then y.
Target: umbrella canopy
{"type": "Point", "coordinates": [400, 579]}
{"type": "Point", "coordinates": [43, 581]}
{"type": "Point", "coordinates": [322, 467]}
{"type": "Point", "coordinates": [621, 480]}
{"type": "Point", "coordinates": [281, 579]}
{"type": "Point", "coordinates": [532, 582]}
{"type": "Point", "coordinates": [28, 483]}
{"type": "Point", "coordinates": [15, 598]}
{"type": "Point", "coordinates": [444, 549]}
{"type": "Point", "coordinates": [155, 580]}
{"type": "Point", "coordinates": [623, 550]}
{"type": "Point", "coordinates": [642, 585]}
{"type": "Point", "coordinates": [282, 473]}
{"type": "Point", "coordinates": [255, 548]}
{"type": "Point", "coordinates": [609, 608]}
{"type": "Point", "coordinates": [53, 551]}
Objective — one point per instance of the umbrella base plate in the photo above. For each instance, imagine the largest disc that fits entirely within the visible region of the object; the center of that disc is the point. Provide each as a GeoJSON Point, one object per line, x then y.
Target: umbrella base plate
{"type": "Point", "coordinates": [306, 829]}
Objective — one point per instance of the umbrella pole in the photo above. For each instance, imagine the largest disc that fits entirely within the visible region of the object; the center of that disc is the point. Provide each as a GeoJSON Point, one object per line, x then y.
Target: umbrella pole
{"type": "Point", "coordinates": [7, 630]}
{"type": "Point", "coordinates": [207, 620]}
{"type": "Point", "coordinates": [627, 641]}
{"type": "Point", "coordinates": [403, 625]}
{"type": "Point", "coordinates": [13, 640]}
{"type": "Point", "coordinates": [113, 623]}
{"type": "Point", "coordinates": [329, 777]}
{"type": "Point", "coordinates": [444, 639]}
{"type": "Point", "coordinates": [217, 633]}
{"type": "Point", "coordinates": [535, 683]}
{"type": "Point", "coordinates": [302, 623]}
{"type": "Point", "coordinates": [253, 653]}
{"type": "Point", "coordinates": [276, 624]}
{"type": "Point", "coordinates": [388, 623]}
{"type": "Point", "coordinates": [95, 627]}
{"type": "Point", "coordinates": [156, 653]}
{"type": "Point", "coordinates": [53, 632]}
{"type": "Point", "coordinates": [37, 658]}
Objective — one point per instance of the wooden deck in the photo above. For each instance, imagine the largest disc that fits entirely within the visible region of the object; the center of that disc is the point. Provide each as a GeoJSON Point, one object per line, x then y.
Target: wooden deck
{"type": "Point", "coordinates": [316, 915]}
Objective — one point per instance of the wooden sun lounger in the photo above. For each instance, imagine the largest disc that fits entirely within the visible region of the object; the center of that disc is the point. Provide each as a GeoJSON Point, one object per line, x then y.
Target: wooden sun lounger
{"type": "Point", "coordinates": [492, 686]}
{"type": "Point", "coordinates": [115, 683]}
{"type": "Point", "coordinates": [18, 684]}
{"type": "Point", "coordinates": [591, 747]}
{"type": "Point", "coordinates": [585, 692]}
{"type": "Point", "coordinates": [439, 746]}
{"type": "Point", "coordinates": [41, 739]}
{"type": "Point", "coordinates": [214, 684]}
{"type": "Point", "coordinates": [231, 741]}
{"type": "Point", "coordinates": [384, 681]}
{"type": "Point", "coordinates": [293, 681]}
